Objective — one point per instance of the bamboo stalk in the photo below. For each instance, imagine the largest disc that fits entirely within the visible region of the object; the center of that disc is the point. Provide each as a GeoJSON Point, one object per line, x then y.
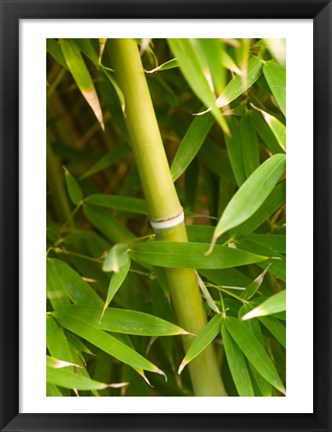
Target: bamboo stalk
{"type": "Point", "coordinates": [163, 204]}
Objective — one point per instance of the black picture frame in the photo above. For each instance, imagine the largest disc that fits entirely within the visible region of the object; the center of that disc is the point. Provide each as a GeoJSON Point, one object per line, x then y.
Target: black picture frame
{"type": "Point", "coordinates": [11, 12]}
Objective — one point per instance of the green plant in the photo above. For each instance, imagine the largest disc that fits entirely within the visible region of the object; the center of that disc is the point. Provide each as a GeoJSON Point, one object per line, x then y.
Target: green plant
{"type": "Point", "coordinates": [140, 127]}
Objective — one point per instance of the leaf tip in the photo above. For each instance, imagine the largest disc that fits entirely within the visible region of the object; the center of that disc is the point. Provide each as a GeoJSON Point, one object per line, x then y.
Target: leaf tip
{"type": "Point", "coordinates": [182, 366]}
{"type": "Point", "coordinates": [252, 314]}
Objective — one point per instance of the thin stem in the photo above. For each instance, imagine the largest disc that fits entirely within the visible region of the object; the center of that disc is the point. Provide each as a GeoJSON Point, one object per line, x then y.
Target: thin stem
{"type": "Point", "coordinates": [163, 204]}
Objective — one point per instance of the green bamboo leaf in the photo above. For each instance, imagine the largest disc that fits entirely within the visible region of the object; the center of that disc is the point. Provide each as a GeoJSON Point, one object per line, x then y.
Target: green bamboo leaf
{"type": "Point", "coordinates": [252, 288]}
{"type": "Point", "coordinates": [74, 190]}
{"type": "Point", "coordinates": [70, 380]}
{"type": "Point", "coordinates": [264, 131]}
{"type": "Point", "coordinates": [191, 68]}
{"type": "Point", "coordinates": [106, 223]}
{"type": "Point", "coordinates": [76, 343]}
{"type": "Point", "coordinates": [278, 268]}
{"type": "Point", "coordinates": [191, 144]}
{"type": "Point", "coordinates": [138, 323]}
{"type": "Point", "coordinates": [58, 364]}
{"type": "Point", "coordinates": [273, 202]}
{"type": "Point", "coordinates": [169, 64]}
{"type": "Point", "coordinates": [57, 343]}
{"type": "Point", "coordinates": [274, 304]}
{"type": "Point", "coordinates": [52, 390]}
{"type": "Point", "coordinates": [234, 149]}
{"type": "Point", "coordinates": [117, 89]}
{"type": "Point", "coordinates": [254, 352]}
{"type": "Point", "coordinates": [278, 129]}
{"type": "Point", "coordinates": [249, 146]}
{"type": "Point", "coordinates": [119, 202]}
{"type": "Point", "coordinates": [274, 242]}
{"type": "Point", "coordinates": [190, 255]}
{"type": "Point", "coordinates": [105, 342]}
{"type": "Point", "coordinates": [237, 364]}
{"type": "Point", "coordinates": [276, 328]}
{"type": "Point", "coordinates": [123, 321]}
{"type": "Point", "coordinates": [81, 75]}
{"type": "Point", "coordinates": [264, 386]}
{"type": "Point", "coordinates": [115, 283]}
{"type": "Point", "coordinates": [211, 52]}
{"type": "Point", "coordinates": [275, 75]}
{"type": "Point", "coordinates": [226, 277]}
{"type": "Point", "coordinates": [111, 158]}
{"type": "Point", "coordinates": [88, 47]}
{"type": "Point", "coordinates": [229, 63]}
{"type": "Point", "coordinates": [238, 85]}
{"type": "Point", "coordinates": [202, 340]}
{"type": "Point", "coordinates": [117, 258]}
{"type": "Point", "coordinates": [56, 292]}
{"type": "Point", "coordinates": [54, 49]}
{"type": "Point", "coordinates": [65, 279]}
{"type": "Point", "coordinates": [251, 195]}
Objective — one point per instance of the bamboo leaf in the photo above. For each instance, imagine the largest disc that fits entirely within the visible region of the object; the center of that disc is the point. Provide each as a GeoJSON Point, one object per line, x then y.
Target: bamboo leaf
{"type": "Point", "coordinates": [81, 75]}
{"type": "Point", "coordinates": [117, 258]}
{"type": "Point", "coordinates": [251, 289]}
{"type": "Point", "coordinates": [238, 85]}
{"type": "Point", "coordinates": [70, 380]}
{"type": "Point", "coordinates": [254, 352]}
{"type": "Point", "coordinates": [111, 158]}
{"type": "Point", "coordinates": [138, 323]}
{"type": "Point", "coordinates": [124, 321]}
{"type": "Point", "coordinates": [190, 255]}
{"type": "Point", "coordinates": [278, 268]}
{"type": "Point", "coordinates": [105, 342]}
{"type": "Point", "coordinates": [57, 343]}
{"type": "Point", "coordinates": [56, 292]}
{"type": "Point", "coordinates": [52, 390]}
{"type": "Point", "coordinates": [249, 146]}
{"type": "Point", "coordinates": [251, 195]}
{"type": "Point", "coordinates": [54, 49]}
{"type": "Point", "coordinates": [211, 51]}
{"type": "Point", "coordinates": [234, 149]}
{"type": "Point", "coordinates": [202, 340]}
{"type": "Point", "coordinates": [88, 47]}
{"type": "Point", "coordinates": [117, 89]}
{"type": "Point", "coordinates": [66, 280]}
{"type": "Point", "coordinates": [74, 190]}
{"type": "Point", "coordinates": [273, 202]}
{"type": "Point", "coordinates": [274, 242]}
{"type": "Point", "coordinates": [170, 64]}
{"type": "Point", "coordinates": [115, 283]}
{"type": "Point", "coordinates": [237, 364]}
{"type": "Point", "coordinates": [58, 364]}
{"type": "Point", "coordinates": [264, 386]}
{"type": "Point", "coordinates": [274, 304]}
{"type": "Point", "coordinates": [264, 131]}
{"type": "Point", "coordinates": [278, 129]}
{"type": "Point", "coordinates": [191, 68]}
{"type": "Point", "coordinates": [276, 328]}
{"type": "Point", "coordinates": [107, 224]}
{"type": "Point", "coordinates": [191, 144]}
{"type": "Point", "coordinates": [275, 75]}
{"type": "Point", "coordinates": [119, 202]}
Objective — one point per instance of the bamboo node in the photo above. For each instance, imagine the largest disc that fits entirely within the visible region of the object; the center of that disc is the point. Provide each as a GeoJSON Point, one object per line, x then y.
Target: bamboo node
{"type": "Point", "coordinates": [167, 222]}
